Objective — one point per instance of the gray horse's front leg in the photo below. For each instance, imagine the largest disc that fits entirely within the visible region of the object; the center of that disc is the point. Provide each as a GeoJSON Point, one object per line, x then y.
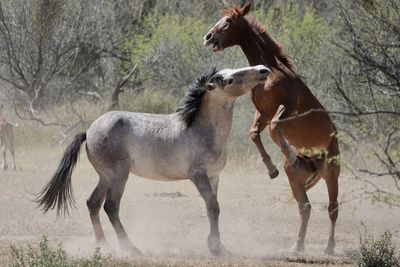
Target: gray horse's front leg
{"type": "Point", "coordinates": [202, 183]}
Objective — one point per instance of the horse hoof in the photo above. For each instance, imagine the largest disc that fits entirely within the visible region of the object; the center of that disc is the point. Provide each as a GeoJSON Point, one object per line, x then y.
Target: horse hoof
{"type": "Point", "coordinates": [273, 174]}
{"type": "Point", "coordinates": [219, 252]}
{"type": "Point", "coordinates": [131, 251]}
{"type": "Point", "coordinates": [297, 248]}
{"type": "Point", "coordinates": [216, 248]}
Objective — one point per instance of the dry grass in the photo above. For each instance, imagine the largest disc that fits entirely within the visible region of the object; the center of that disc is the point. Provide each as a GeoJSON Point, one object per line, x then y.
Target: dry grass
{"type": "Point", "coordinates": [168, 222]}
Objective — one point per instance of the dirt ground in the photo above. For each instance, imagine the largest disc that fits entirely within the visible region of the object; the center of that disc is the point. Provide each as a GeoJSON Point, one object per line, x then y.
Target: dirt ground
{"type": "Point", "coordinates": [167, 220]}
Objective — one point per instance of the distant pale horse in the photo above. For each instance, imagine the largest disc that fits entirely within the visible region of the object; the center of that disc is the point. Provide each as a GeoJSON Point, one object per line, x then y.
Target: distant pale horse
{"type": "Point", "coordinates": [189, 144]}
{"type": "Point", "coordinates": [6, 140]}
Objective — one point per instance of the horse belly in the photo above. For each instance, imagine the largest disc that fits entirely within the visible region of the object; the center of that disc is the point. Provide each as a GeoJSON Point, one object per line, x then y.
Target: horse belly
{"type": "Point", "coordinates": [303, 133]}
{"type": "Point", "coordinates": [156, 166]}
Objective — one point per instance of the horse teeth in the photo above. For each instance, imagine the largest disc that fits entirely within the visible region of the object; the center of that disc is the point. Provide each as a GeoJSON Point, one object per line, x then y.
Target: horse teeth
{"type": "Point", "coordinates": [215, 47]}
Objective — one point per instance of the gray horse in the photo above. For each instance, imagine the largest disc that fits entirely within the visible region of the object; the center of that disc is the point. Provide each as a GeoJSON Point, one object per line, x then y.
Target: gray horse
{"type": "Point", "coordinates": [188, 144]}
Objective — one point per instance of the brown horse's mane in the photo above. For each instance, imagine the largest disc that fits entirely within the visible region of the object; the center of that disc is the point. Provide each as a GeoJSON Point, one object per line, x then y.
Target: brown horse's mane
{"type": "Point", "coordinates": [276, 48]}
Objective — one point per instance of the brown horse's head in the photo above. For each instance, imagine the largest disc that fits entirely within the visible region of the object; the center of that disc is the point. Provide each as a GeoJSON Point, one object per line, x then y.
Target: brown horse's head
{"type": "Point", "coordinates": [227, 32]}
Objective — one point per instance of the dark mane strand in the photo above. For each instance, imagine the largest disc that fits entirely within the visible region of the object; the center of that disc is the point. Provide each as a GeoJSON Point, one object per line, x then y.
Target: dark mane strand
{"type": "Point", "coordinates": [277, 49]}
{"type": "Point", "coordinates": [190, 105]}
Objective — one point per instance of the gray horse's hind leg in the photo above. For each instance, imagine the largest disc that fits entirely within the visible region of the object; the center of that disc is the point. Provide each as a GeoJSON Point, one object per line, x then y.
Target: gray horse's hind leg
{"type": "Point", "coordinates": [115, 191]}
{"type": "Point", "coordinates": [214, 181]}
{"type": "Point", "coordinates": [94, 203]}
{"type": "Point", "coordinates": [206, 190]}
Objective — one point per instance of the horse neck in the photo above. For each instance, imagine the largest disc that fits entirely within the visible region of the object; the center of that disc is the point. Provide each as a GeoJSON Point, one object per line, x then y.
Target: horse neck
{"type": "Point", "coordinates": [217, 111]}
{"type": "Point", "coordinates": [256, 48]}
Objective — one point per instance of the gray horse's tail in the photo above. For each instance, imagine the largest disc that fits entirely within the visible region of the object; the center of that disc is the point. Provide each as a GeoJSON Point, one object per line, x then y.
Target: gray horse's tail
{"type": "Point", "coordinates": [58, 192]}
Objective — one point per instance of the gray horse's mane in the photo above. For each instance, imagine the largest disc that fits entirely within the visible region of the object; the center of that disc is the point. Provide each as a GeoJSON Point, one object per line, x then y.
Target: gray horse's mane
{"type": "Point", "coordinates": [190, 106]}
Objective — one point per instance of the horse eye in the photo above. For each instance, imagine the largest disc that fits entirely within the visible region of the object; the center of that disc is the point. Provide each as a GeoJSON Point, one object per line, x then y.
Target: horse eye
{"type": "Point", "coordinates": [228, 20]}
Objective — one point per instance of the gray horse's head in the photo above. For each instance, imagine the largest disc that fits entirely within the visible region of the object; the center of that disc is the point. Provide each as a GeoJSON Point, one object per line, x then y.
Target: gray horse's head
{"type": "Point", "coordinates": [236, 82]}
{"type": "Point", "coordinates": [227, 83]}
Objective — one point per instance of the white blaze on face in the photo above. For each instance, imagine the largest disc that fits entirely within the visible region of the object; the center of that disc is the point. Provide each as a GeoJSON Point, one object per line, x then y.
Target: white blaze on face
{"type": "Point", "coordinates": [218, 23]}
{"type": "Point", "coordinates": [210, 37]}
{"type": "Point", "coordinates": [221, 21]}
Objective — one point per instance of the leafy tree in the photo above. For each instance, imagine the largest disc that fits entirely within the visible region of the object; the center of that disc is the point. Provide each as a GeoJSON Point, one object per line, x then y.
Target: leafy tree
{"type": "Point", "coordinates": [369, 81]}
{"type": "Point", "coordinates": [52, 52]}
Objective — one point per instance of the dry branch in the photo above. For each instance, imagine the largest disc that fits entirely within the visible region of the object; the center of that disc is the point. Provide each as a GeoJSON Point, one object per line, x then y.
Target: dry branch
{"type": "Point", "coordinates": [119, 88]}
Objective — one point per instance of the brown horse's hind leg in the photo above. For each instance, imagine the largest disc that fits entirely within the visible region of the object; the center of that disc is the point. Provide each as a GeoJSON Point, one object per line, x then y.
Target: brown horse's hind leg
{"type": "Point", "coordinates": [259, 125]}
{"type": "Point", "coordinates": [94, 203]}
{"type": "Point", "coordinates": [299, 173]}
{"type": "Point", "coordinates": [331, 173]}
{"type": "Point", "coordinates": [115, 191]}
{"type": "Point", "coordinates": [297, 176]}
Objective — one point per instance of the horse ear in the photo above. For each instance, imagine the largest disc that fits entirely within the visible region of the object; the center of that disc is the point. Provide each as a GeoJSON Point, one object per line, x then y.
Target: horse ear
{"type": "Point", "coordinates": [246, 8]}
{"type": "Point", "coordinates": [210, 86]}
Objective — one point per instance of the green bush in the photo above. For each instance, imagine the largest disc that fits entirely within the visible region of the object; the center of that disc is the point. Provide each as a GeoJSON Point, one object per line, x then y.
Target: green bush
{"type": "Point", "coordinates": [170, 53]}
{"type": "Point", "coordinates": [149, 101]}
{"type": "Point", "coordinates": [45, 256]}
{"type": "Point", "coordinates": [378, 253]}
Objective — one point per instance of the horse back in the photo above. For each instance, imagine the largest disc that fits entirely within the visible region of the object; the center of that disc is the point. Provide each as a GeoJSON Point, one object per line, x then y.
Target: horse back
{"type": "Point", "coordinates": [308, 125]}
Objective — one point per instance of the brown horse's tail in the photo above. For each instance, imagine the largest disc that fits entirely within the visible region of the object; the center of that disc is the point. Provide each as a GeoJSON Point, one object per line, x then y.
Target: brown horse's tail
{"type": "Point", "coordinates": [58, 192]}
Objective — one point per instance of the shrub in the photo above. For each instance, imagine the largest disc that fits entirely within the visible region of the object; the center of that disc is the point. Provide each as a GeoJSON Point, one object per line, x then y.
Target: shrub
{"type": "Point", "coordinates": [45, 256]}
{"type": "Point", "coordinates": [381, 252]}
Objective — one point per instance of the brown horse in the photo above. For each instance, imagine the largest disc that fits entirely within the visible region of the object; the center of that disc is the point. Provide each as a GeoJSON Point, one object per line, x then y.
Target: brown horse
{"type": "Point", "coordinates": [306, 133]}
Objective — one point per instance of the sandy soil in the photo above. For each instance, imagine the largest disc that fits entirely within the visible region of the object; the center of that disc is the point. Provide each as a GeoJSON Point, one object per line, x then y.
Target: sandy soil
{"type": "Point", "coordinates": [168, 222]}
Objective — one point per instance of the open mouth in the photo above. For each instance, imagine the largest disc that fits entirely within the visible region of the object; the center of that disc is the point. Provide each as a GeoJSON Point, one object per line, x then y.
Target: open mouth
{"type": "Point", "coordinates": [263, 79]}
{"type": "Point", "coordinates": [215, 45]}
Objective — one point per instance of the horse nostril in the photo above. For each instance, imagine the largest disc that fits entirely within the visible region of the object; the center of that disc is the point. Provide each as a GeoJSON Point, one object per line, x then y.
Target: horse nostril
{"type": "Point", "coordinates": [209, 36]}
{"type": "Point", "coordinates": [263, 71]}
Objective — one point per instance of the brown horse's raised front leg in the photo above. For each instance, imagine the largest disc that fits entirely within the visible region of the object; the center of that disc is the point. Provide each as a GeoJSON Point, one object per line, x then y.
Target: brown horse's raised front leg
{"type": "Point", "coordinates": [259, 125]}
{"type": "Point", "coordinates": [287, 150]}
